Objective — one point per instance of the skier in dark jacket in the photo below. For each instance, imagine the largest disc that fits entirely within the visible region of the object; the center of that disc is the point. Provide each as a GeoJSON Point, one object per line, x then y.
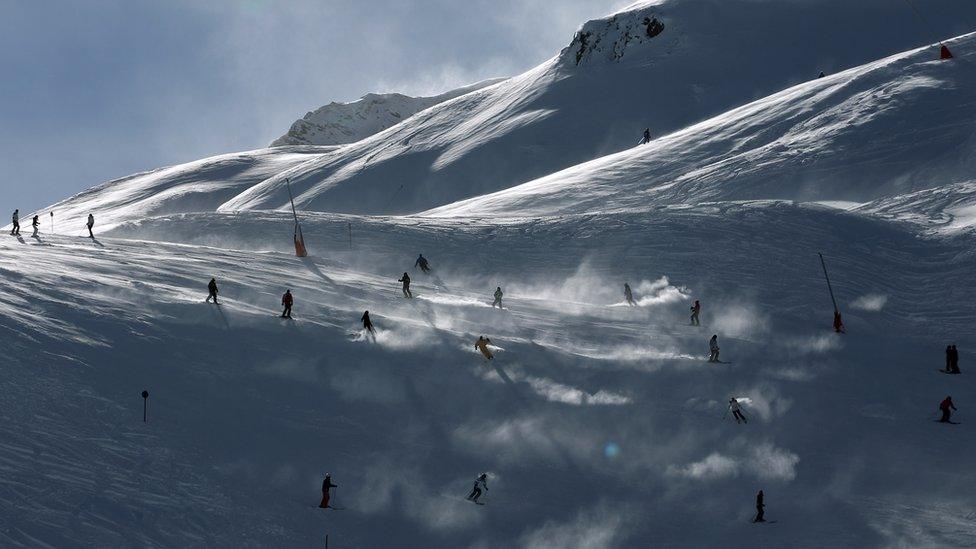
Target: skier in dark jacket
{"type": "Point", "coordinates": [36, 224]}
{"type": "Point", "coordinates": [695, 311]}
{"type": "Point", "coordinates": [90, 224]}
{"type": "Point", "coordinates": [736, 411]}
{"type": "Point", "coordinates": [480, 486]}
{"type": "Point", "coordinates": [498, 298]}
{"type": "Point", "coordinates": [713, 349]}
{"type": "Point", "coordinates": [406, 285]}
{"type": "Point", "coordinates": [946, 406]}
{"type": "Point", "coordinates": [629, 295]}
{"type": "Point", "coordinates": [15, 218]}
{"type": "Point", "coordinates": [287, 300]}
{"type": "Point", "coordinates": [212, 287]}
{"type": "Point", "coordinates": [368, 324]}
{"type": "Point", "coordinates": [760, 508]}
{"type": "Point", "coordinates": [422, 263]}
{"type": "Point", "coordinates": [948, 367]}
{"type": "Point", "coordinates": [326, 486]}
{"type": "Point", "coordinates": [954, 366]}
{"type": "Point", "coordinates": [647, 137]}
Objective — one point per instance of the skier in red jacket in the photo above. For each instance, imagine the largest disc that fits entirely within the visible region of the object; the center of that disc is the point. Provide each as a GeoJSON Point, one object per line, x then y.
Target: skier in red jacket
{"type": "Point", "coordinates": [838, 323]}
{"type": "Point", "coordinates": [946, 406]}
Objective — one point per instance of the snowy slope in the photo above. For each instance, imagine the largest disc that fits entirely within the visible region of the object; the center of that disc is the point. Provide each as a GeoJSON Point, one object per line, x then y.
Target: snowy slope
{"type": "Point", "coordinates": [586, 396]}
{"type": "Point", "coordinates": [711, 57]}
{"type": "Point", "coordinates": [897, 125]}
{"type": "Point", "coordinates": [202, 185]}
{"type": "Point", "coordinates": [340, 123]}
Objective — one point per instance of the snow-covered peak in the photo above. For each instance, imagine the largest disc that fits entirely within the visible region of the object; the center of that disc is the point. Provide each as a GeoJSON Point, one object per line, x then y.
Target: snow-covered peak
{"type": "Point", "coordinates": [340, 123]}
{"type": "Point", "coordinates": [611, 38]}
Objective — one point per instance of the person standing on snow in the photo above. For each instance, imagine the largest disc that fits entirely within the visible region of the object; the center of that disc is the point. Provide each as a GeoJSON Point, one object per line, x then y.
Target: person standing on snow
{"type": "Point", "coordinates": [15, 218]}
{"type": "Point", "coordinates": [482, 345]}
{"type": "Point", "coordinates": [287, 300]}
{"type": "Point", "coordinates": [212, 288]}
{"type": "Point", "coordinates": [647, 137]}
{"type": "Point", "coordinates": [368, 324]}
{"type": "Point", "coordinates": [946, 406]}
{"type": "Point", "coordinates": [422, 263]}
{"type": "Point", "coordinates": [326, 486]}
{"type": "Point", "coordinates": [713, 349]}
{"type": "Point", "coordinates": [760, 507]}
{"type": "Point", "coordinates": [954, 366]}
{"type": "Point", "coordinates": [736, 413]}
{"type": "Point", "coordinates": [629, 295]}
{"type": "Point", "coordinates": [695, 310]}
{"type": "Point", "coordinates": [90, 224]}
{"type": "Point", "coordinates": [498, 298]}
{"type": "Point", "coordinates": [480, 486]}
{"type": "Point", "coordinates": [36, 225]}
{"type": "Point", "coordinates": [406, 285]}
{"type": "Point", "coordinates": [948, 367]}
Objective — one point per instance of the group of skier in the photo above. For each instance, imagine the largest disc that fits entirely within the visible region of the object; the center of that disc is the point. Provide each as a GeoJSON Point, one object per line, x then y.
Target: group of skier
{"type": "Point", "coordinates": [36, 224]}
{"type": "Point", "coordinates": [478, 490]}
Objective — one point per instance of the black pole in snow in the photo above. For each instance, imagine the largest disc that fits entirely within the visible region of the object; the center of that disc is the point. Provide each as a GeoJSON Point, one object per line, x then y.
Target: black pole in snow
{"type": "Point", "coordinates": [829, 288]}
{"type": "Point", "coordinates": [145, 406]}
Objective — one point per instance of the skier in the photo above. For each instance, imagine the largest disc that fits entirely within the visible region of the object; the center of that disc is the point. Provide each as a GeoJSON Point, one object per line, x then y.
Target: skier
{"type": "Point", "coordinates": [498, 298]}
{"type": "Point", "coordinates": [480, 486]}
{"type": "Point", "coordinates": [736, 413]}
{"type": "Point", "coordinates": [90, 224]}
{"type": "Point", "coordinates": [948, 367]}
{"type": "Point", "coordinates": [647, 137]}
{"type": "Point", "coordinates": [946, 406]}
{"type": "Point", "coordinates": [212, 287]}
{"type": "Point", "coordinates": [287, 301]}
{"type": "Point", "coordinates": [406, 285]}
{"type": "Point", "coordinates": [629, 295]}
{"type": "Point", "coordinates": [326, 486]}
{"type": "Point", "coordinates": [368, 324]}
{"type": "Point", "coordinates": [821, 74]}
{"type": "Point", "coordinates": [838, 323]}
{"type": "Point", "coordinates": [482, 345]}
{"type": "Point", "coordinates": [695, 310]}
{"type": "Point", "coordinates": [713, 349]}
{"type": "Point", "coordinates": [422, 263]}
{"type": "Point", "coordinates": [760, 508]}
{"type": "Point", "coordinates": [36, 225]}
{"type": "Point", "coordinates": [16, 220]}
{"type": "Point", "coordinates": [954, 366]}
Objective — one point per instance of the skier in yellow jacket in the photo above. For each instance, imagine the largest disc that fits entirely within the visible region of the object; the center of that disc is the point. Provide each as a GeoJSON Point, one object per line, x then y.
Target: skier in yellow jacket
{"type": "Point", "coordinates": [482, 345]}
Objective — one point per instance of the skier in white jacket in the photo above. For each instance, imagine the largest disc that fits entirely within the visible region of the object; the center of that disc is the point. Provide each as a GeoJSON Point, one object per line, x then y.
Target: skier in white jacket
{"type": "Point", "coordinates": [480, 486]}
{"type": "Point", "coordinates": [736, 413]}
{"type": "Point", "coordinates": [713, 349]}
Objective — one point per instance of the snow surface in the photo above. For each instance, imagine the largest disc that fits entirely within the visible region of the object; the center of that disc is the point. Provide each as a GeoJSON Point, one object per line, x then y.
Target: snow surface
{"type": "Point", "coordinates": [599, 424]}
{"type": "Point", "coordinates": [340, 123]}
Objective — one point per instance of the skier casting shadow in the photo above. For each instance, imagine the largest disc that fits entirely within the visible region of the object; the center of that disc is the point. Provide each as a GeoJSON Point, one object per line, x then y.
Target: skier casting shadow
{"type": "Point", "coordinates": [212, 289]}
{"type": "Point", "coordinates": [695, 310]}
{"type": "Point", "coordinates": [629, 295]}
{"type": "Point", "coordinates": [482, 345]}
